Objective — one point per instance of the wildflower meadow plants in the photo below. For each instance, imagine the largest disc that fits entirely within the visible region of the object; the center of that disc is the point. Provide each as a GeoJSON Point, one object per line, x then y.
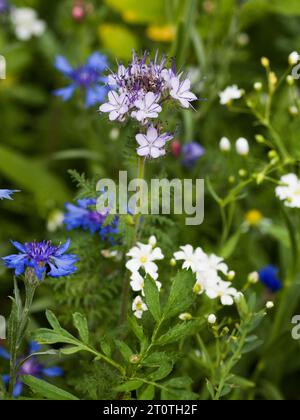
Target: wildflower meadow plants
{"type": "Point", "coordinates": [114, 296]}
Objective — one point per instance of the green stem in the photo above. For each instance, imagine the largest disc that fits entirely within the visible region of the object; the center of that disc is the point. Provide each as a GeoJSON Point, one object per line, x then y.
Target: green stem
{"type": "Point", "coordinates": [31, 283]}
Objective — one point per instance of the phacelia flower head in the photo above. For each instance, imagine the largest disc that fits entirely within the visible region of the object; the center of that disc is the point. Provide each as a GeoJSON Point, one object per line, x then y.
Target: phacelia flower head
{"type": "Point", "coordinates": [88, 77]}
{"type": "Point", "coordinates": [85, 216]}
{"type": "Point", "coordinates": [31, 366]}
{"type": "Point", "coordinates": [6, 194]}
{"type": "Point", "coordinates": [141, 89]}
{"type": "Point", "coordinates": [269, 277]}
{"type": "Point", "coordinates": [45, 258]}
{"type": "Point", "coordinates": [192, 152]}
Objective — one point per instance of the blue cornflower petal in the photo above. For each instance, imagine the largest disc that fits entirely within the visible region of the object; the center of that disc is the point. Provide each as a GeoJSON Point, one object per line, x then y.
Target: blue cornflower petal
{"type": "Point", "coordinates": [34, 347]}
{"type": "Point", "coordinates": [62, 65]}
{"type": "Point", "coordinates": [65, 93]}
{"type": "Point", "coordinates": [17, 389]}
{"type": "Point", "coordinates": [52, 372]}
{"type": "Point", "coordinates": [98, 62]}
{"type": "Point", "coordinates": [192, 152]}
{"type": "Point", "coordinates": [5, 379]}
{"type": "Point", "coordinates": [4, 354]}
{"type": "Point", "coordinates": [269, 277]}
{"type": "Point", "coordinates": [19, 246]}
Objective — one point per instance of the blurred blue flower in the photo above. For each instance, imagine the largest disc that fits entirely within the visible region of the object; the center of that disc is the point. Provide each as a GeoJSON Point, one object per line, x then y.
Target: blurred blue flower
{"type": "Point", "coordinates": [192, 152]}
{"type": "Point", "coordinates": [30, 367]}
{"type": "Point", "coordinates": [4, 6]}
{"type": "Point", "coordinates": [269, 277]}
{"type": "Point", "coordinates": [89, 78]}
{"type": "Point", "coordinates": [84, 216]}
{"type": "Point", "coordinates": [44, 258]}
{"type": "Point", "coordinates": [7, 193]}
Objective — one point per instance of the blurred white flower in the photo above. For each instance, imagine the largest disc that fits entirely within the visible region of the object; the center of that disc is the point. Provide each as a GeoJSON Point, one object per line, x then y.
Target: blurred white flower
{"type": "Point", "coordinates": [290, 191]}
{"type": "Point", "coordinates": [229, 94]}
{"type": "Point", "coordinates": [221, 289]}
{"type": "Point", "coordinates": [55, 220]}
{"type": "Point", "coordinates": [139, 307]}
{"type": "Point", "coordinates": [293, 58]}
{"type": "Point", "coordinates": [212, 319]}
{"type": "Point", "coordinates": [242, 146]}
{"type": "Point", "coordinates": [270, 305]}
{"type": "Point", "coordinates": [225, 145]}
{"type": "Point", "coordinates": [138, 283]}
{"type": "Point", "coordinates": [26, 23]}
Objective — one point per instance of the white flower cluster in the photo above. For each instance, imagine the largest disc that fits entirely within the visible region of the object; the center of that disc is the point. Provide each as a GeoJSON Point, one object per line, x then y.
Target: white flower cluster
{"type": "Point", "coordinates": [229, 94]}
{"type": "Point", "coordinates": [241, 146]}
{"type": "Point", "coordinates": [208, 270]}
{"type": "Point", "coordinates": [289, 191]}
{"type": "Point", "coordinates": [143, 257]}
{"type": "Point", "coordinates": [26, 23]}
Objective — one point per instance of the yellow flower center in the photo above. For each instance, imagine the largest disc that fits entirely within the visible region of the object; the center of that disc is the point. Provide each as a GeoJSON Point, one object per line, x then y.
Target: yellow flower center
{"type": "Point", "coordinates": [143, 259]}
{"type": "Point", "coordinates": [253, 217]}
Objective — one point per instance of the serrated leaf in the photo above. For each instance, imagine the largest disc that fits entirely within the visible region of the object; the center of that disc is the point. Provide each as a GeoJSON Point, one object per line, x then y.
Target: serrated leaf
{"type": "Point", "coordinates": [46, 390]}
{"type": "Point", "coordinates": [124, 349]}
{"type": "Point", "coordinates": [162, 372]}
{"type": "Point", "coordinates": [80, 323]}
{"type": "Point", "coordinates": [106, 347]}
{"type": "Point", "coordinates": [181, 295]}
{"type": "Point", "coordinates": [53, 321]}
{"type": "Point", "coordinates": [67, 351]}
{"type": "Point", "coordinates": [152, 298]}
{"type": "Point", "coordinates": [178, 332]}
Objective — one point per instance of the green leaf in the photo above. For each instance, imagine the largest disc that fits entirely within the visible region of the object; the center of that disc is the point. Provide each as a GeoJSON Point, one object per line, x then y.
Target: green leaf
{"type": "Point", "coordinates": [32, 176]}
{"type": "Point", "coordinates": [147, 394]}
{"type": "Point", "coordinates": [67, 351]}
{"type": "Point", "coordinates": [105, 345]}
{"type": "Point", "coordinates": [80, 322]}
{"type": "Point", "coordinates": [124, 349]}
{"type": "Point", "coordinates": [131, 385]}
{"type": "Point", "coordinates": [46, 336]}
{"type": "Point", "coordinates": [46, 390]}
{"type": "Point", "coordinates": [181, 294]}
{"type": "Point", "coordinates": [152, 298]}
{"type": "Point", "coordinates": [210, 388]}
{"type": "Point", "coordinates": [179, 331]}
{"type": "Point", "coordinates": [162, 372]}
{"type": "Point", "coordinates": [53, 321]}
{"type": "Point", "coordinates": [119, 40]}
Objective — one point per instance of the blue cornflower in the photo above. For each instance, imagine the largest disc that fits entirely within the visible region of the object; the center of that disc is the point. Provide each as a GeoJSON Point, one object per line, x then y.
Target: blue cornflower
{"type": "Point", "coordinates": [44, 258]}
{"type": "Point", "coordinates": [192, 152]}
{"type": "Point", "coordinates": [4, 6]}
{"type": "Point", "coordinates": [84, 216]}
{"type": "Point", "coordinates": [7, 193]}
{"type": "Point", "coordinates": [89, 78]}
{"type": "Point", "coordinates": [269, 277]}
{"type": "Point", "coordinates": [30, 367]}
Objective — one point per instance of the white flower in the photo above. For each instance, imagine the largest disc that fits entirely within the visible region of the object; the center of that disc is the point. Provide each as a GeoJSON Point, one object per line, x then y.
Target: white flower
{"type": "Point", "coordinates": [147, 107]}
{"type": "Point", "coordinates": [212, 319]}
{"type": "Point", "coordinates": [217, 288]}
{"type": "Point", "coordinates": [253, 277]}
{"type": "Point", "coordinates": [293, 58]}
{"type": "Point", "coordinates": [242, 146]}
{"type": "Point", "coordinates": [225, 145]}
{"type": "Point", "coordinates": [142, 256]}
{"type": "Point", "coordinates": [138, 283]}
{"type": "Point", "coordinates": [139, 307]}
{"type": "Point", "coordinates": [152, 241]}
{"type": "Point", "coordinates": [26, 23]}
{"type": "Point", "coordinates": [191, 258]}
{"type": "Point", "coordinates": [55, 221]}
{"type": "Point", "coordinates": [290, 192]}
{"type": "Point", "coordinates": [117, 106]}
{"type": "Point", "coordinates": [229, 94]}
{"type": "Point", "coordinates": [215, 264]}
{"type": "Point", "coordinates": [181, 91]}
{"type": "Point", "coordinates": [152, 144]}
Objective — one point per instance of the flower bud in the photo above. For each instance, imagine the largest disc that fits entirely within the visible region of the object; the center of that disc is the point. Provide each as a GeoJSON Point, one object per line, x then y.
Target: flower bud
{"type": "Point", "coordinates": [242, 146]}
{"type": "Point", "coordinates": [225, 145]}
{"type": "Point", "coordinates": [258, 86]}
{"type": "Point", "coordinates": [290, 80]}
{"type": "Point", "coordinates": [293, 58]}
{"type": "Point", "coordinates": [253, 277]}
{"type": "Point", "coordinates": [212, 319]}
{"type": "Point", "coordinates": [270, 305]}
{"type": "Point", "coordinates": [265, 62]}
{"type": "Point", "coordinates": [185, 316]}
{"type": "Point", "coordinates": [135, 358]}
